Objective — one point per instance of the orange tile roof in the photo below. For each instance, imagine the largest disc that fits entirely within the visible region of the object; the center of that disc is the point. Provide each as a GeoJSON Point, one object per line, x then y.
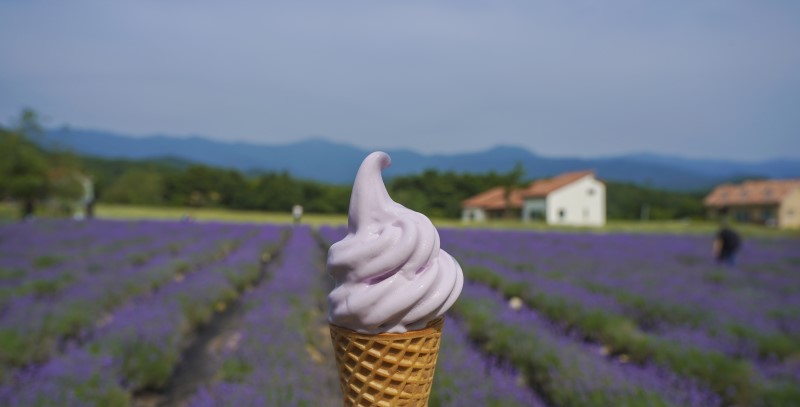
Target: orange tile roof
{"type": "Point", "coordinates": [494, 199]}
{"type": "Point", "coordinates": [762, 192]}
{"type": "Point", "coordinates": [543, 187]}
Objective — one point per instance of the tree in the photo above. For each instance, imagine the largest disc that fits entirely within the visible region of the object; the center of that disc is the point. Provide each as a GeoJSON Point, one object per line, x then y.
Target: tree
{"type": "Point", "coordinates": [137, 187]}
{"type": "Point", "coordinates": [23, 170]}
{"type": "Point", "coordinates": [511, 181]}
{"type": "Point", "coordinates": [277, 192]}
{"type": "Point", "coordinates": [201, 185]}
{"type": "Point", "coordinates": [28, 173]}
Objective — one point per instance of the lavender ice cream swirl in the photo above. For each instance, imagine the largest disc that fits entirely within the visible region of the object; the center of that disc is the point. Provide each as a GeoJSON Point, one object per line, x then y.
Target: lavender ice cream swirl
{"type": "Point", "coordinates": [391, 276]}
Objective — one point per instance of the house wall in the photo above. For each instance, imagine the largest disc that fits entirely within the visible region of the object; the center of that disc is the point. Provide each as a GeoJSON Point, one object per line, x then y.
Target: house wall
{"type": "Point", "coordinates": [473, 215]}
{"type": "Point", "coordinates": [713, 213]}
{"type": "Point", "coordinates": [575, 205]}
{"type": "Point", "coordinates": [761, 214]}
{"type": "Point", "coordinates": [789, 211]}
{"type": "Point", "coordinates": [513, 213]}
{"type": "Point", "coordinates": [533, 206]}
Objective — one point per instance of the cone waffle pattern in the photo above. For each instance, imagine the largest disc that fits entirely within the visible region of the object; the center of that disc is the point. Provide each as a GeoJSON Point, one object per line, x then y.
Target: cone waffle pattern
{"type": "Point", "coordinates": [387, 369]}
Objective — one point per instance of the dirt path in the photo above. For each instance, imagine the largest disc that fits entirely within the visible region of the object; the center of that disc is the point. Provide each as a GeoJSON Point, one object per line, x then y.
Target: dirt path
{"type": "Point", "coordinates": [203, 357]}
{"type": "Point", "coordinates": [201, 361]}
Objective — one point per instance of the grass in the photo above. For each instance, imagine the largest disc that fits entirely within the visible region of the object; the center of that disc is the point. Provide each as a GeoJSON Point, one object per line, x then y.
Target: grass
{"type": "Point", "coordinates": [106, 211]}
{"type": "Point", "coordinates": [703, 227]}
{"type": "Point", "coordinates": [9, 213]}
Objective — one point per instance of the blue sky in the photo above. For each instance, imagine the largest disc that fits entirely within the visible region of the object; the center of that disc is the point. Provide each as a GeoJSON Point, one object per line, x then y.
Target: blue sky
{"type": "Point", "coordinates": [718, 78]}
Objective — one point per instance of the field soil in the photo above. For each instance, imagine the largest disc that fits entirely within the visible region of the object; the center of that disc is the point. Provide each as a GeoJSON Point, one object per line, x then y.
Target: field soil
{"type": "Point", "coordinates": [204, 352]}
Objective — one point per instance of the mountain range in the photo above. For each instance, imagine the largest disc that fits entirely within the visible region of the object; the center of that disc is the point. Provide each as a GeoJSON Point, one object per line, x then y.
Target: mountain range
{"type": "Point", "coordinates": [326, 161]}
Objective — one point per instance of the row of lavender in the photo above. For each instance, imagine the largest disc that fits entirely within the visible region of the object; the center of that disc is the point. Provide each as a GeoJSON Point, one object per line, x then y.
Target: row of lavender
{"type": "Point", "coordinates": [273, 360]}
{"type": "Point", "coordinates": [658, 299]}
{"type": "Point", "coordinates": [593, 292]}
{"type": "Point", "coordinates": [134, 259]}
{"type": "Point", "coordinates": [660, 281]}
{"type": "Point", "coordinates": [135, 319]}
{"type": "Point", "coordinates": [28, 269]}
{"type": "Point", "coordinates": [282, 354]}
{"type": "Point", "coordinates": [586, 322]}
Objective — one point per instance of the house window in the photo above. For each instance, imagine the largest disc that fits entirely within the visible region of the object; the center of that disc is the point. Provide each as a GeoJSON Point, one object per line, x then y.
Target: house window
{"type": "Point", "coordinates": [590, 191]}
{"type": "Point", "coordinates": [536, 214]}
{"type": "Point", "coordinates": [562, 213]}
{"type": "Point", "coordinates": [586, 213]}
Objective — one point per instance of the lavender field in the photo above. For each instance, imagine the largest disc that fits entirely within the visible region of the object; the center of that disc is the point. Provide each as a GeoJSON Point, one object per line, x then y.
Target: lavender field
{"type": "Point", "coordinates": [149, 313]}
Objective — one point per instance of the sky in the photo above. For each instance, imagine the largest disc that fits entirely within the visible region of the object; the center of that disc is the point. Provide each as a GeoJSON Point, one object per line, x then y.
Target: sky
{"type": "Point", "coordinates": [700, 78]}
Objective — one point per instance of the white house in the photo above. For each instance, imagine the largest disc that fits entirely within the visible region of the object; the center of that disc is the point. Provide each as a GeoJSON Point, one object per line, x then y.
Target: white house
{"type": "Point", "coordinates": [573, 198]}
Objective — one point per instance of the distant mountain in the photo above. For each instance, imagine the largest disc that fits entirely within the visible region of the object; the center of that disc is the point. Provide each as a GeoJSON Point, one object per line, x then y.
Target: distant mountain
{"type": "Point", "coordinates": [776, 168]}
{"type": "Point", "coordinates": [326, 161]}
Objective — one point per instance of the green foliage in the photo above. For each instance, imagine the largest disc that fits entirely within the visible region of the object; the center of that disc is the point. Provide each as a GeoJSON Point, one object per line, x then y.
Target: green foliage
{"type": "Point", "coordinates": [11, 273]}
{"type": "Point", "coordinates": [137, 187]}
{"type": "Point", "coordinates": [14, 348]}
{"type": "Point", "coordinates": [23, 167]}
{"type": "Point", "coordinates": [106, 172]}
{"type": "Point", "coordinates": [98, 394]}
{"type": "Point", "coordinates": [138, 259]}
{"type": "Point", "coordinates": [47, 260]}
{"type": "Point", "coordinates": [196, 313]}
{"type": "Point", "coordinates": [628, 201]}
{"type": "Point", "coordinates": [769, 345]}
{"type": "Point", "coordinates": [201, 186]}
{"type": "Point", "coordinates": [243, 276]}
{"type": "Point", "coordinates": [147, 365]}
{"type": "Point", "coordinates": [782, 394]}
{"type": "Point", "coordinates": [27, 172]}
{"type": "Point", "coordinates": [181, 267]}
{"type": "Point", "coordinates": [155, 182]}
{"type": "Point", "coordinates": [235, 370]}
{"type": "Point", "coordinates": [734, 380]}
{"type": "Point", "coordinates": [435, 193]}
{"type": "Point", "coordinates": [716, 277]}
{"type": "Point", "coordinates": [47, 287]}
{"type": "Point", "coordinates": [68, 320]}
{"type": "Point", "coordinates": [649, 313]}
{"type": "Point", "coordinates": [64, 175]}
{"type": "Point", "coordinates": [439, 194]}
{"type": "Point", "coordinates": [539, 362]}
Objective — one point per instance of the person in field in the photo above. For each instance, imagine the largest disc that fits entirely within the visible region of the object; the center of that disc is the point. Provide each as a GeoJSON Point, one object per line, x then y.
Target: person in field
{"type": "Point", "coordinates": [297, 213]}
{"type": "Point", "coordinates": [726, 245]}
{"type": "Point", "coordinates": [28, 210]}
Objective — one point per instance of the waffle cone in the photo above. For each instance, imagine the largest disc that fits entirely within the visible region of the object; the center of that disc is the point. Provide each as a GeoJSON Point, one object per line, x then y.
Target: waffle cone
{"type": "Point", "coordinates": [387, 369]}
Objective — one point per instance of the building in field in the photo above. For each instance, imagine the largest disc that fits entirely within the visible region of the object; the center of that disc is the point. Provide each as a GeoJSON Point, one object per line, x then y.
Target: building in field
{"type": "Point", "coordinates": [769, 202]}
{"type": "Point", "coordinates": [574, 198]}
{"type": "Point", "coordinates": [492, 205]}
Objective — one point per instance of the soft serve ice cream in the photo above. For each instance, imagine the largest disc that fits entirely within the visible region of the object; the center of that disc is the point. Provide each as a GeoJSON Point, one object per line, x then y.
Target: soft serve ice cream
{"type": "Point", "coordinates": [391, 276]}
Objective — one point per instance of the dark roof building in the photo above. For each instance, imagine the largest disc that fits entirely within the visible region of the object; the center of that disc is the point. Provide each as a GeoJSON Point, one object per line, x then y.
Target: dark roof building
{"type": "Point", "coordinates": [774, 202]}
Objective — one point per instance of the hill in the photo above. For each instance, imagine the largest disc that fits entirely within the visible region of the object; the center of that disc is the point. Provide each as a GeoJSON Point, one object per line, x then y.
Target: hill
{"type": "Point", "coordinates": [329, 162]}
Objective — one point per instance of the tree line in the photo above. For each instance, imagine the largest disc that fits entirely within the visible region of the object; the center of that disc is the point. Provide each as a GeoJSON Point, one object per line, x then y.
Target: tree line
{"type": "Point", "coordinates": [30, 173]}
